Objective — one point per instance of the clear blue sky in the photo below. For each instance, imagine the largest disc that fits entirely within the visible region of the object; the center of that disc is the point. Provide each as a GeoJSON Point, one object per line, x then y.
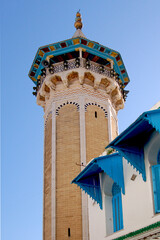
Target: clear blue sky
{"type": "Point", "coordinates": [131, 27]}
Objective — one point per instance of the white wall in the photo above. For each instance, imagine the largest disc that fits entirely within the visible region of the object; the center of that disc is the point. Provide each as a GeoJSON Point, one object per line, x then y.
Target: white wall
{"type": "Point", "coordinates": [137, 203]}
{"type": "Point", "coordinates": [96, 221]}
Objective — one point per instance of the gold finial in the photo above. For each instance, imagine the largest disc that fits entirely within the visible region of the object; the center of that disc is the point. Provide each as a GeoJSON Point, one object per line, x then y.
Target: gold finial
{"type": "Point", "coordinates": [78, 23]}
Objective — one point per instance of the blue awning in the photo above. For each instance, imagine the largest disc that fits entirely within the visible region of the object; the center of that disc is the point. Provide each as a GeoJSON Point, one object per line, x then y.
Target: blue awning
{"type": "Point", "coordinates": [130, 143]}
{"type": "Point", "coordinates": [88, 180]}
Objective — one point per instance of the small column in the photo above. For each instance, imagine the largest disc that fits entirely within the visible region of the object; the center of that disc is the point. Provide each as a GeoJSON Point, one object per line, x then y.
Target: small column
{"type": "Point", "coordinates": [112, 64]}
{"type": "Point", "coordinates": [53, 200]}
{"type": "Point", "coordinates": [80, 52]}
{"type": "Point", "coordinates": [85, 226]}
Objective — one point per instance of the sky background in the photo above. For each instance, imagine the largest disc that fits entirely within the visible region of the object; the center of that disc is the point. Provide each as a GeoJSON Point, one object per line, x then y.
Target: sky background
{"type": "Point", "coordinates": [131, 27]}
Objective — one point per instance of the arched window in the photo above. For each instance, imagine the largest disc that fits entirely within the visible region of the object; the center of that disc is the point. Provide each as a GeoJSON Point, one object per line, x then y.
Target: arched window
{"type": "Point", "coordinates": [156, 184]}
{"type": "Point", "coordinates": [158, 157]}
{"type": "Point", "coordinates": [153, 155]}
{"type": "Point", "coordinates": [117, 208]}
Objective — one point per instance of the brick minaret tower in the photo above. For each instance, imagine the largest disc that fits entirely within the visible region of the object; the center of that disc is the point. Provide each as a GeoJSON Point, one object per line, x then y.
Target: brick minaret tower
{"type": "Point", "coordinates": [80, 85]}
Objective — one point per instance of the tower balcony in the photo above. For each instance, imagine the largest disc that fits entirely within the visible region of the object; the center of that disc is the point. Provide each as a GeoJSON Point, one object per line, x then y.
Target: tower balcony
{"type": "Point", "coordinates": [83, 72]}
{"type": "Point", "coordinates": [83, 63]}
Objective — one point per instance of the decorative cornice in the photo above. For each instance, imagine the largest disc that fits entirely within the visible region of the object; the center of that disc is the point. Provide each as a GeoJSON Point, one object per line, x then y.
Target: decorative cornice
{"type": "Point", "coordinates": [140, 231]}
{"type": "Point", "coordinates": [57, 83]}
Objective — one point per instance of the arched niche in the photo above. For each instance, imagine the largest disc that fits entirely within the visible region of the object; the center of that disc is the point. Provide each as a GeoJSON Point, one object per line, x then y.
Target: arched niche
{"type": "Point", "coordinates": [153, 148]}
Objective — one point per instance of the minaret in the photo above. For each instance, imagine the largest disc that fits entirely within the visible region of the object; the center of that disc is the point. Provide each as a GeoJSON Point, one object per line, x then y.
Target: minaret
{"type": "Point", "coordinates": [80, 85]}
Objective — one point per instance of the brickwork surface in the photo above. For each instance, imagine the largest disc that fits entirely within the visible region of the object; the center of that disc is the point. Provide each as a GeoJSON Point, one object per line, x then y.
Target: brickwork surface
{"type": "Point", "coordinates": [96, 132]}
{"type": "Point", "coordinates": [68, 196]}
{"type": "Point", "coordinates": [47, 180]}
{"type": "Point", "coordinates": [114, 128]}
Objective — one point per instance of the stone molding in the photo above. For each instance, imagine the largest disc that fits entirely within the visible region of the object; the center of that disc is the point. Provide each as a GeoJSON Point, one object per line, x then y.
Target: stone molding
{"type": "Point", "coordinates": [67, 81]}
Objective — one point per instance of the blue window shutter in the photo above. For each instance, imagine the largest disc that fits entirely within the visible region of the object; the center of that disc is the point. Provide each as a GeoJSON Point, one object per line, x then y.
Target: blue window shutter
{"type": "Point", "coordinates": [158, 158]}
{"type": "Point", "coordinates": [156, 187]}
{"type": "Point", "coordinates": [114, 214]}
{"type": "Point", "coordinates": [117, 208]}
{"type": "Point", "coordinates": [121, 212]}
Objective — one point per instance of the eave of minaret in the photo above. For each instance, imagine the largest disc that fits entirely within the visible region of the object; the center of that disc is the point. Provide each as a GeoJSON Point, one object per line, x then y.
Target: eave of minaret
{"type": "Point", "coordinates": [79, 78]}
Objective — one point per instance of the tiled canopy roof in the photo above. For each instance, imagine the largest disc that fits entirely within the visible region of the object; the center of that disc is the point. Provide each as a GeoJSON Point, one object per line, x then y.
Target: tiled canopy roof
{"type": "Point", "coordinates": [68, 49]}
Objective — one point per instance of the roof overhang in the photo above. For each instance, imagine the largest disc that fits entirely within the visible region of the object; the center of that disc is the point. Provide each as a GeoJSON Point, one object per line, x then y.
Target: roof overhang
{"type": "Point", "coordinates": [130, 143]}
{"type": "Point", "coordinates": [88, 180]}
{"type": "Point", "coordinates": [72, 45]}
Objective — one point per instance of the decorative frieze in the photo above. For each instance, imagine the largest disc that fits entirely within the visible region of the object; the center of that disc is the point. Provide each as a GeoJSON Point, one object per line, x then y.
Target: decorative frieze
{"type": "Point", "coordinates": [80, 79]}
{"type": "Point", "coordinates": [46, 119]}
{"type": "Point", "coordinates": [63, 104]}
{"type": "Point", "coordinates": [95, 104]}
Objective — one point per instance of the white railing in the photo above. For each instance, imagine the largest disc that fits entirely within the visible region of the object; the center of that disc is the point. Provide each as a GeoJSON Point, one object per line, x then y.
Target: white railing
{"type": "Point", "coordinates": [95, 67]}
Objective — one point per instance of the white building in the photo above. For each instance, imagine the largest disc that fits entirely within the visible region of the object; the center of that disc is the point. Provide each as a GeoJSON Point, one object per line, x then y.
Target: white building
{"type": "Point", "coordinates": [125, 185]}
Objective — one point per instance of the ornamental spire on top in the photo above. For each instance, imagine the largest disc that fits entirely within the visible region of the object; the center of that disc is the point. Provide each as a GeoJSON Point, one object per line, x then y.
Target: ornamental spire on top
{"type": "Point", "coordinates": [78, 25]}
